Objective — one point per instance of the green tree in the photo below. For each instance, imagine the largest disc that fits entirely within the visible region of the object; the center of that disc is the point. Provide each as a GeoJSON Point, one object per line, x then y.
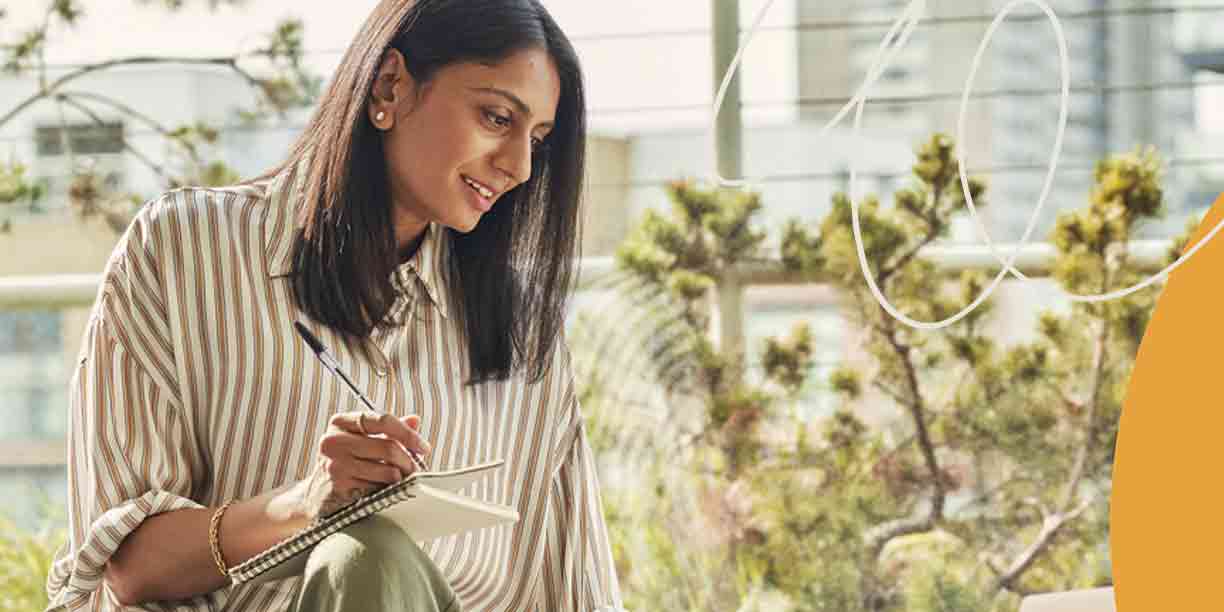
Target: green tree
{"type": "Point", "coordinates": [991, 481]}
{"type": "Point", "coordinates": [281, 82]}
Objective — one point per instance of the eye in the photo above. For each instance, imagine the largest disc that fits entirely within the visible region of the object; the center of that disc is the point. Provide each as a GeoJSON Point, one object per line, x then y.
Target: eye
{"type": "Point", "coordinates": [498, 120]}
{"type": "Point", "coordinates": [537, 144]}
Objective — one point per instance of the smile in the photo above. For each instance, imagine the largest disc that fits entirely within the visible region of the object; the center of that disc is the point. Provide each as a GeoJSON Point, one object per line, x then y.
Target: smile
{"type": "Point", "coordinates": [480, 197]}
{"type": "Point", "coordinates": [484, 191]}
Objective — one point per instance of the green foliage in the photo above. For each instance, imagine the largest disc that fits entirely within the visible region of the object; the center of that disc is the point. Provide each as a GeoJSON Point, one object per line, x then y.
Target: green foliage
{"type": "Point", "coordinates": [928, 510]}
{"type": "Point", "coordinates": [800, 250]}
{"type": "Point", "coordinates": [192, 136]}
{"type": "Point", "coordinates": [846, 380]}
{"type": "Point", "coordinates": [22, 54]}
{"type": "Point", "coordinates": [17, 189]}
{"type": "Point", "coordinates": [787, 361]}
{"type": "Point", "coordinates": [25, 560]}
{"type": "Point", "coordinates": [67, 10]}
{"type": "Point", "coordinates": [291, 85]}
{"type": "Point", "coordinates": [708, 232]}
{"type": "Point", "coordinates": [216, 174]}
{"type": "Point", "coordinates": [27, 52]}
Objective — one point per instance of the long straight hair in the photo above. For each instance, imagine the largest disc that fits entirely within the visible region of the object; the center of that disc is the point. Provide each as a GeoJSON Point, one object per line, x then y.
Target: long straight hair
{"type": "Point", "coordinates": [512, 275]}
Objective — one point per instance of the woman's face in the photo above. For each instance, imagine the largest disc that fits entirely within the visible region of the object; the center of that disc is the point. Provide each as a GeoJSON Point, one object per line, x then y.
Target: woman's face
{"type": "Point", "coordinates": [470, 123]}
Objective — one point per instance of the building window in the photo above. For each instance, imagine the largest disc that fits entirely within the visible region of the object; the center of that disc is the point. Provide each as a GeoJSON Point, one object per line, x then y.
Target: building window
{"type": "Point", "coordinates": [84, 139]}
{"type": "Point", "coordinates": [98, 147]}
{"type": "Point", "coordinates": [895, 73]}
{"type": "Point", "coordinates": [33, 376]}
{"type": "Point", "coordinates": [30, 332]}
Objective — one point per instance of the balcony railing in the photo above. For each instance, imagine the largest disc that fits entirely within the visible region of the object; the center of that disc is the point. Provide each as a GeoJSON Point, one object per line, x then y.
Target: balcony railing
{"type": "Point", "coordinates": [1034, 259]}
{"type": "Point", "coordinates": [80, 290]}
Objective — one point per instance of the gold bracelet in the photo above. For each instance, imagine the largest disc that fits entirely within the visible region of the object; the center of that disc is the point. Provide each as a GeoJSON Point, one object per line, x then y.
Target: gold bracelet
{"type": "Point", "coordinates": [214, 540]}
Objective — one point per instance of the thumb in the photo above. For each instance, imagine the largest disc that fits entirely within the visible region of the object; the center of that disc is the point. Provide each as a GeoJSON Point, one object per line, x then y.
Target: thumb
{"type": "Point", "coordinates": [412, 420]}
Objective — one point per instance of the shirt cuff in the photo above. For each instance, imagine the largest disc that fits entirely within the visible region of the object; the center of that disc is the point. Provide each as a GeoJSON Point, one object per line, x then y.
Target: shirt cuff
{"type": "Point", "coordinates": [77, 571]}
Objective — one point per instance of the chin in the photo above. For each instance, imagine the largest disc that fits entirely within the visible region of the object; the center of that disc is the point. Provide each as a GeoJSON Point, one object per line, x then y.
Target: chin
{"type": "Point", "coordinates": [466, 225]}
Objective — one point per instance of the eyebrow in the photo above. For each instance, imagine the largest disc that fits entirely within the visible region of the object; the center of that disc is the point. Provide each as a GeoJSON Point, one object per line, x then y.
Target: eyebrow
{"type": "Point", "coordinates": [515, 100]}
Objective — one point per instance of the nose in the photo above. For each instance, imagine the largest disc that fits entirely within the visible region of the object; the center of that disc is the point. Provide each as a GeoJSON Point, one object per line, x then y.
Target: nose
{"type": "Point", "coordinates": [514, 159]}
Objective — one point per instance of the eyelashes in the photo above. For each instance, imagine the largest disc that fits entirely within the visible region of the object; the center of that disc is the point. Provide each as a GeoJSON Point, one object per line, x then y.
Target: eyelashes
{"type": "Point", "coordinates": [538, 145]}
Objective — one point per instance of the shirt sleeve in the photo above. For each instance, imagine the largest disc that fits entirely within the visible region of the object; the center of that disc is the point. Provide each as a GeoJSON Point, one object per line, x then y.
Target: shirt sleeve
{"type": "Point", "coordinates": [130, 451]}
{"type": "Point", "coordinates": [579, 572]}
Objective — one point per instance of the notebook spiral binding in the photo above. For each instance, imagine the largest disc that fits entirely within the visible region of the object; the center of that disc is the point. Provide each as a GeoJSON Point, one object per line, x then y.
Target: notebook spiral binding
{"type": "Point", "coordinates": [317, 531]}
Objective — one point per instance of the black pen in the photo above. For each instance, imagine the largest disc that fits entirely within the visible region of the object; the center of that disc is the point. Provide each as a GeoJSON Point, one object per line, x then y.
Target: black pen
{"type": "Point", "coordinates": [333, 366]}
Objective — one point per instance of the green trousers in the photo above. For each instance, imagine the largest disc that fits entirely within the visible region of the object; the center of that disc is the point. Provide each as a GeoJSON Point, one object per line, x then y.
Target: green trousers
{"type": "Point", "coordinates": [370, 566]}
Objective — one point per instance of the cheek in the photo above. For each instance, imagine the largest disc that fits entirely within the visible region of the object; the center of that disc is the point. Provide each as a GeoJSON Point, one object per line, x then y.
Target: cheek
{"type": "Point", "coordinates": [427, 157]}
{"type": "Point", "coordinates": [413, 163]}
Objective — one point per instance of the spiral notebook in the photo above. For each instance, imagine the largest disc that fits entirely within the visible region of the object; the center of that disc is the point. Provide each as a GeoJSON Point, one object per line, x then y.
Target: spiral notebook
{"type": "Point", "coordinates": [426, 505]}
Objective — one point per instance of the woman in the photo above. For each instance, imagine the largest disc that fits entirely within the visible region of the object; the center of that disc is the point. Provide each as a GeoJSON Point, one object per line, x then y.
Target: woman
{"type": "Point", "coordinates": [423, 227]}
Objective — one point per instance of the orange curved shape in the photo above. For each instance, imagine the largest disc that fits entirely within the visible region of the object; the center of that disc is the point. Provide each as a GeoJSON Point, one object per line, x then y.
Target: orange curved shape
{"type": "Point", "coordinates": [1166, 506]}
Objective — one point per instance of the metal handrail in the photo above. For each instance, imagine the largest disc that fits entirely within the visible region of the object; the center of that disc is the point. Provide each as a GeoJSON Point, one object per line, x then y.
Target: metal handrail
{"type": "Point", "coordinates": [1034, 259]}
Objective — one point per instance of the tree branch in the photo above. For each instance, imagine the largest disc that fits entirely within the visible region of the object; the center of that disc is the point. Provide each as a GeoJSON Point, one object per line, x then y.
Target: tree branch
{"type": "Point", "coordinates": [879, 535]}
{"type": "Point", "coordinates": [131, 112]}
{"type": "Point", "coordinates": [1098, 366]}
{"type": "Point", "coordinates": [1050, 527]}
{"type": "Point", "coordinates": [85, 110]}
{"type": "Point", "coordinates": [1052, 523]}
{"type": "Point", "coordinates": [890, 392]}
{"type": "Point", "coordinates": [1076, 406]}
{"type": "Point", "coordinates": [48, 90]}
{"type": "Point", "coordinates": [917, 411]}
{"type": "Point", "coordinates": [985, 496]}
{"type": "Point", "coordinates": [932, 235]}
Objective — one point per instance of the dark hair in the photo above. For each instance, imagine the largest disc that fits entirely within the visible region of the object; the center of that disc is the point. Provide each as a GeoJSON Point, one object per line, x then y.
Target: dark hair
{"type": "Point", "coordinates": [512, 275]}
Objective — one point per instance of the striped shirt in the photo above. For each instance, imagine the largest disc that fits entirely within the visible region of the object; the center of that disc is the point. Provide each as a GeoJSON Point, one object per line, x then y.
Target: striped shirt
{"type": "Point", "coordinates": [191, 388]}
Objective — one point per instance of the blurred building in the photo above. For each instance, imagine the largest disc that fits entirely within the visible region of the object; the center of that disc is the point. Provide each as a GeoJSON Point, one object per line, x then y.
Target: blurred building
{"type": "Point", "coordinates": [1201, 44]}
{"type": "Point", "coordinates": [1107, 47]}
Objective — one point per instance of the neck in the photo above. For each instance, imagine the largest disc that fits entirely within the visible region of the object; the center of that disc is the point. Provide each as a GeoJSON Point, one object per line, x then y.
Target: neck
{"type": "Point", "coordinates": [408, 246]}
{"type": "Point", "coordinates": [409, 231]}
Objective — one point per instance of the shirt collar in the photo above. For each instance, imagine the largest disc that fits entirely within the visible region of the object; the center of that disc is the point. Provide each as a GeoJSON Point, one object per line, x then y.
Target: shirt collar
{"type": "Point", "coordinates": [283, 198]}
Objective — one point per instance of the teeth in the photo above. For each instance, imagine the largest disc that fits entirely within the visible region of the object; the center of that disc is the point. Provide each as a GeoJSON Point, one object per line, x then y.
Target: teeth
{"type": "Point", "coordinates": [483, 190]}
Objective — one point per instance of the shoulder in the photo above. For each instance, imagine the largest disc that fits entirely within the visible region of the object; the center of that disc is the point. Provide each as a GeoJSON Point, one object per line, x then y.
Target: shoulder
{"type": "Point", "coordinates": [195, 221]}
{"type": "Point", "coordinates": [204, 209]}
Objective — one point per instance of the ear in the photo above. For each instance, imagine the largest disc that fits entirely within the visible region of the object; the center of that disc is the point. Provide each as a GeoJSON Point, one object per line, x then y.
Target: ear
{"type": "Point", "coordinates": [393, 92]}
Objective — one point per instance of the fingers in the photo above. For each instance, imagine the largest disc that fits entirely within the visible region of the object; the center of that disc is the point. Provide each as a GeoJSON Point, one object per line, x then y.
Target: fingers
{"type": "Point", "coordinates": [384, 451]}
{"type": "Point", "coordinates": [348, 472]}
{"type": "Point", "coordinates": [370, 472]}
{"type": "Point", "coordinates": [345, 444]}
{"type": "Point", "coordinates": [382, 423]}
{"type": "Point", "coordinates": [413, 421]}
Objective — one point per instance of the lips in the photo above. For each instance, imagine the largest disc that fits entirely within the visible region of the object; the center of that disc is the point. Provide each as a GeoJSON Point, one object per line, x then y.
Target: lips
{"type": "Point", "coordinates": [484, 190]}
{"type": "Point", "coordinates": [477, 199]}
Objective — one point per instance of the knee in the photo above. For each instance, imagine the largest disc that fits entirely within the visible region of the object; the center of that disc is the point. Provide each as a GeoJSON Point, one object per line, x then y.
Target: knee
{"type": "Point", "coordinates": [365, 550]}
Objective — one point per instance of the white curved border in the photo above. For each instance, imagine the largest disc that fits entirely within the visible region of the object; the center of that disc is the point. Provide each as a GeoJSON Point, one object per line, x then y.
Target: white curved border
{"type": "Point", "coordinates": [885, 55]}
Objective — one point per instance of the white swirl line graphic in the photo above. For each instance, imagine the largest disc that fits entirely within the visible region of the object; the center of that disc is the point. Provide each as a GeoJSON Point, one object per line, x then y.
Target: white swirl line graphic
{"type": "Point", "coordinates": [889, 47]}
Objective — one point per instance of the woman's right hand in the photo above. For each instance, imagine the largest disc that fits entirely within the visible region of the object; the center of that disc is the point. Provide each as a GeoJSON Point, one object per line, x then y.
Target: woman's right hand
{"type": "Point", "coordinates": [351, 463]}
